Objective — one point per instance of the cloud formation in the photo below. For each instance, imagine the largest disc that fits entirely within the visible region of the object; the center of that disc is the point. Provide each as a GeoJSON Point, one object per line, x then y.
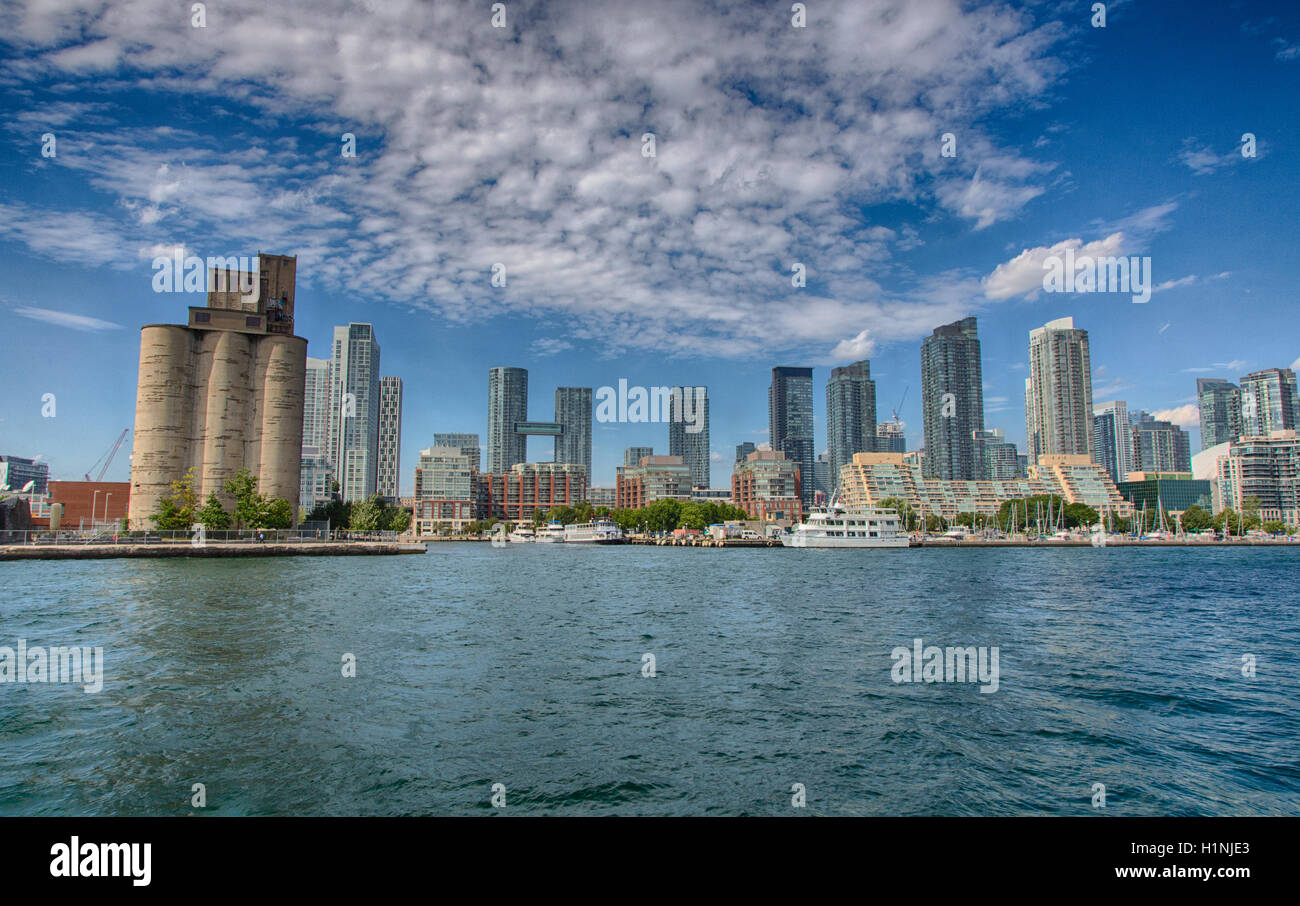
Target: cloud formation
{"type": "Point", "coordinates": [523, 146]}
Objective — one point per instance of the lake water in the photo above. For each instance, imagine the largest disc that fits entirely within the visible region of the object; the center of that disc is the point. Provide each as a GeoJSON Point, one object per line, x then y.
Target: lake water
{"type": "Point", "coordinates": [523, 666]}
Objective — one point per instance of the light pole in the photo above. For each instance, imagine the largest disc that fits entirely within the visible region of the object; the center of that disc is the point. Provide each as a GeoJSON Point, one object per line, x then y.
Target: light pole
{"type": "Point", "coordinates": [106, 496]}
{"type": "Point", "coordinates": [94, 502]}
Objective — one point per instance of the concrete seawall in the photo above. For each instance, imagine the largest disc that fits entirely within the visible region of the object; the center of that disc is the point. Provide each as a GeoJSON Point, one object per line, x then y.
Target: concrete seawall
{"type": "Point", "coordinates": [266, 549]}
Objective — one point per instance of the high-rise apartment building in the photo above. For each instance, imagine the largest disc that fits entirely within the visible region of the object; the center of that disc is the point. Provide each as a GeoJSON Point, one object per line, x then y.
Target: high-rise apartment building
{"type": "Point", "coordinates": [996, 459]}
{"type": "Point", "coordinates": [1220, 405]}
{"type": "Point", "coordinates": [573, 413]}
{"type": "Point", "coordinates": [468, 444]}
{"type": "Point", "coordinates": [952, 400]}
{"type": "Point", "coordinates": [1159, 446]}
{"type": "Point", "coordinates": [1112, 440]}
{"type": "Point", "coordinates": [387, 481]}
{"type": "Point", "coordinates": [632, 455]}
{"type": "Point", "coordinates": [507, 407]}
{"type": "Point", "coordinates": [850, 417]}
{"type": "Point", "coordinates": [688, 431]}
{"type": "Point", "coordinates": [743, 450]}
{"type": "Point", "coordinates": [353, 439]}
{"type": "Point", "coordinates": [1269, 402]}
{"type": "Point", "coordinates": [768, 486]}
{"type": "Point", "coordinates": [222, 393]}
{"type": "Point", "coordinates": [890, 438]}
{"type": "Point", "coordinates": [316, 404]}
{"type": "Point", "coordinates": [16, 472]}
{"type": "Point", "coordinates": [790, 423]}
{"type": "Point", "coordinates": [1058, 391]}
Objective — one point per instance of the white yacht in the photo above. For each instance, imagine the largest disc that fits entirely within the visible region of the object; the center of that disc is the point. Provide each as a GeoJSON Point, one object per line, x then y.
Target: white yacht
{"type": "Point", "coordinates": [602, 531]}
{"type": "Point", "coordinates": [522, 534]}
{"type": "Point", "coordinates": [551, 532]}
{"type": "Point", "coordinates": [839, 526]}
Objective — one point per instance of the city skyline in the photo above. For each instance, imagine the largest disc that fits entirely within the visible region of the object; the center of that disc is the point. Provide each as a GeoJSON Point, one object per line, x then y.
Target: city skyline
{"type": "Point", "coordinates": [894, 238]}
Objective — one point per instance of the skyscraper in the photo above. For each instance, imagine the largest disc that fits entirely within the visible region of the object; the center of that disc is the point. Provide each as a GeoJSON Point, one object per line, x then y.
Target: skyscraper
{"type": "Point", "coordinates": [688, 431]}
{"type": "Point", "coordinates": [573, 412]}
{"type": "Point", "coordinates": [996, 459]}
{"type": "Point", "coordinates": [1269, 402]}
{"type": "Point", "coordinates": [353, 438]}
{"type": "Point", "coordinates": [390, 438]}
{"type": "Point", "coordinates": [850, 417]}
{"type": "Point", "coordinates": [1160, 446]}
{"type": "Point", "coordinates": [952, 400]}
{"type": "Point", "coordinates": [743, 450]}
{"type": "Point", "coordinates": [1112, 440]}
{"type": "Point", "coordinates": [222, 393]}
{"type": "Point", "coordinates": [1220, 404]}
{"type": "Point", "coordinates": [1058, 391]}
{"type": "Point", "coordinates": [632, 455]}
{"type": "Point", "coordinates": [790, 423]}
{"type": "Point", "coordinates": [316, 404]}
{"type": "Point", "coordinates": [468, 444]}
{"type": "Point", "coordinates": [890, 438]}
{"type": "Point", "coordinates": [507, 406]}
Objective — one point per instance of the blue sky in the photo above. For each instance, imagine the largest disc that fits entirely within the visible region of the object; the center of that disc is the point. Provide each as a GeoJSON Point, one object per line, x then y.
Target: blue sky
{"type": "Point", "coordinates": [774, 145]}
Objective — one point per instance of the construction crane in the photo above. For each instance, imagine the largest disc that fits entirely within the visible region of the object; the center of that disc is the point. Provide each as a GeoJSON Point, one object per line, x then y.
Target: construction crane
{"type": "Point", "coordinates": [897, 420]}
{"type": "Point", "coordinates": [107, 458]}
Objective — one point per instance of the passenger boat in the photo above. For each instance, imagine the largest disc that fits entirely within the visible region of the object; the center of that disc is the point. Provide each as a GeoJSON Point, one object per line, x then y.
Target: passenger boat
{"type": "Point", "coordinates": [602, 531]}
{"type": "Point", "coordinates": [551, 532]}
{"type": "Point", "coordinates": [839, 526]}
{"type": "Point", "coordinates": [523, 534]}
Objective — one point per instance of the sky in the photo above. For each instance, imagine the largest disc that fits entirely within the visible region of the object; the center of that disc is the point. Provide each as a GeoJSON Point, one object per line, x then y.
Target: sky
{"type": "Point", "coordinates": [524, 146]}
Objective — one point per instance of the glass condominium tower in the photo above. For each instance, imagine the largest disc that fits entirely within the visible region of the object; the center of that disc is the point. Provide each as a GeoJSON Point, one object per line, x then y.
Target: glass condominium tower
{"type": "Point", "coordinates": [1269, 402]}
{"type": "Point", "coordinates": [850, 417]}
{"type": "Point", "coordinates": [388, 482]}
{"type": "Point", "coordinates": [688, 431]}
{"type": "Point", "coordinates": [573, 412]}
{"type": "Point", "coordinates": [952, 400]}
{"type": "Point", "coordinates": [354, 411]}
{"type": "Point", "coordinates": [790, 423]}
{"type": "Point", "coordinates": [1220, 405]}
{"type": "Point", "coordinates": [1058, 391]}
{"type": "Point", "coordinates": [507, 406]}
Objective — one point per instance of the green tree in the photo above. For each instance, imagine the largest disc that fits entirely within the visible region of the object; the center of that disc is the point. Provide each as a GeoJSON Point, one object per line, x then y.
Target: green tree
{"type": "Point", "coordinates": [211, 514]}
{"type": "Point", "coordinates": [1195, 519]}
{"type": "Point", "coordinates": [904, 509]}
{"type": "Point", "coordinates": [1274, 526]}
{"type": "Point", "coordinates": [249, 505]}
{"type": "Point", "coordinates": [399, 520]}
{"type": "Point", "coordinates": [177, 510]}
{"type": "Point", "coordinates": [275, 514]}
{"type": "Point", "coordinates": [367, 515]}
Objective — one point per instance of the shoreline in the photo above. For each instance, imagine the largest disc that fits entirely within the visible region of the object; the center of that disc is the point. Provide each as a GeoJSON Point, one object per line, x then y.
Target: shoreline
{"type": "Point", "coordinates": [158, 550]}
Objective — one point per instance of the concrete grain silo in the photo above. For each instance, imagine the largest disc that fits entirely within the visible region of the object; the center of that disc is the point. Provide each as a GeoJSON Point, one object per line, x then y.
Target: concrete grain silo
{"type": "Point", "coordinates": [221, 394]}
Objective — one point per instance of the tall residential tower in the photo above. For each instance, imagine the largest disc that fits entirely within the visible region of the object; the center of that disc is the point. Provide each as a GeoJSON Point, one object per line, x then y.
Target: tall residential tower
{"type": "Point", "coordinates": [1058, 391]}
{"type": "Point", "coordinates": [952, 400]}
{"type": "Point", "coordinates": [790, 423]}
{"type": "Point", "coordinates": [850, 417]}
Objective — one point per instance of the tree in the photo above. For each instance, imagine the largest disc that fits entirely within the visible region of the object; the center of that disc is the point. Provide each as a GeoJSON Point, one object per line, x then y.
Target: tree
{"type": "Point", "coordinates": [275, 514]}
{"type": "Point", "coordinates": [904, 509]}
{"type": "Point", "coordinates": [1274, 526]}
{"type": "Point", "coordinates": [399, 520]}
{"type": "Point", "coordinates": [211, 514]}
{"type": "Point", "coordinates": [1196, 519]}
{"type": "Point", "coordinates": [1227, 521]}
{"type": "Point", "coordinates": [367, 515]}
{"type": "Point", "coordinates": [177, 510]}
{"type": "Point", "coordinates": [249, 504]}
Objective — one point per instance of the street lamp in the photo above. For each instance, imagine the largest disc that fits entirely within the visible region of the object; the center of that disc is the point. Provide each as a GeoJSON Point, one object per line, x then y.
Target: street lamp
{"type": "Point", "coordinates": [94, 501]}
{"type": "Point", "coordinates": [106, 496]}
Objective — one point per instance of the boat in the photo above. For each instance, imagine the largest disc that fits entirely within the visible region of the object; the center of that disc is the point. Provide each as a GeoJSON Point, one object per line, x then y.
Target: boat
{"type": "Point", "coordinates": [836, 525]}
{"type": "Point", "coordinates": [602, 531]}
{"type": "Point", "coordinates": [522, 534]}
{"type": "Point", "coordinates": [553, 531]}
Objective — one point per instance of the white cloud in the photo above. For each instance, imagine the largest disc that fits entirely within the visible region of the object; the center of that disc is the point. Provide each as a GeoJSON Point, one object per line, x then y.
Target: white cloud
{"type": "Point", "coordinates": [854, 348]}
{"type": "Point", "coordinates": [1188, 416]}
{"type": "Point", "coordinates": [521, 145]}
{"type": "Point", "coordinates": [1023, 274]}
{"type": "Point", "coordinates": [66, 319]}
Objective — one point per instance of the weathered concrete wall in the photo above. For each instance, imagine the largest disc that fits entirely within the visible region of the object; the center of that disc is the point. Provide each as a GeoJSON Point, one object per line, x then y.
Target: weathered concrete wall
{"type": "Point", "coordinates": [217, 401]}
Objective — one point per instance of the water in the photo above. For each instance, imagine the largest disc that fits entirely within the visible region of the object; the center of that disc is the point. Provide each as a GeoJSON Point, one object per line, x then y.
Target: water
{"type": "Point", "coordinates": [523, 666]}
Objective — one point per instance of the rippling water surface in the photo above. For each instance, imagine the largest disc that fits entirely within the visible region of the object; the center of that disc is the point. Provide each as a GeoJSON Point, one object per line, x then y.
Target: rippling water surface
{"type": "Point", "coordinates": [523, 666]}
